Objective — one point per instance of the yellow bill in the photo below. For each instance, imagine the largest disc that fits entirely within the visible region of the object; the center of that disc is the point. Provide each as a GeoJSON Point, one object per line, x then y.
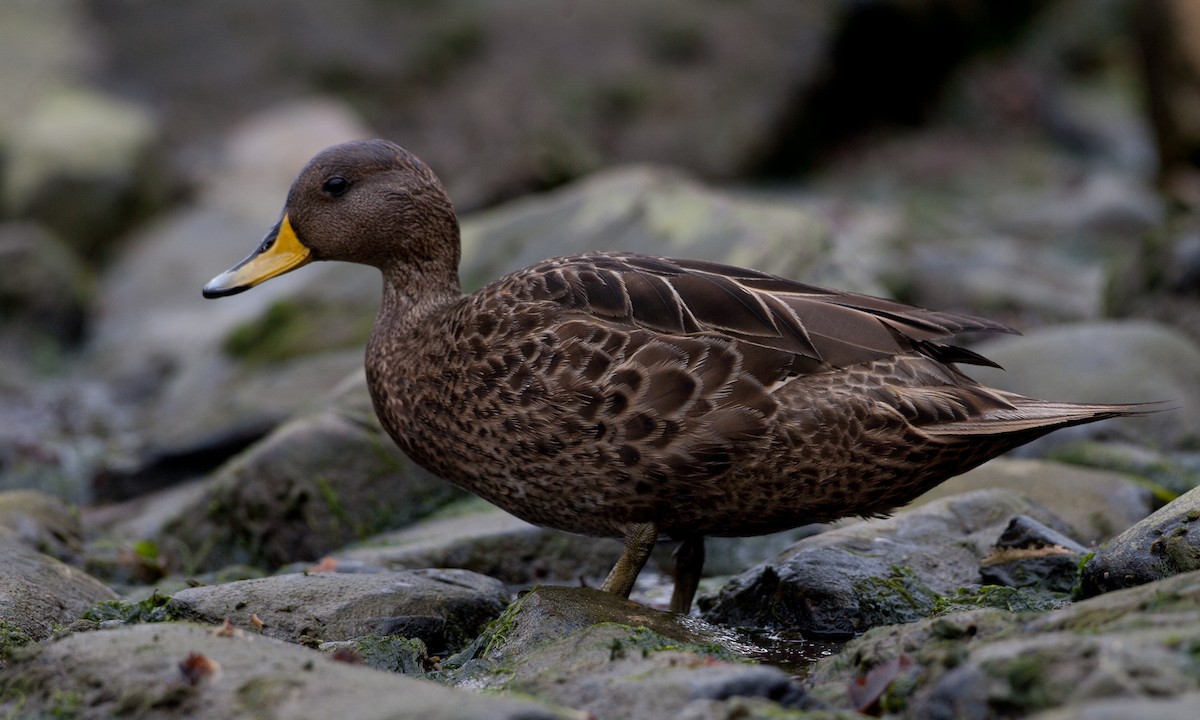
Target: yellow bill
{"type": "Point", "coordinates": [280, 252]}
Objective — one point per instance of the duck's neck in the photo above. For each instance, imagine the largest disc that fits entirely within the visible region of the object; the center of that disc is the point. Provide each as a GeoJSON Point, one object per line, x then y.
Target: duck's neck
{"type": "Point", "coordinates": [412, 295]}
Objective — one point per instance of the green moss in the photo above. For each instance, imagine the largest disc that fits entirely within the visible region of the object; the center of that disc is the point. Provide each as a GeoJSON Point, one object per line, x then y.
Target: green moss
{"type": "Point", "coordinates": [895, 698]}
{"type": "Point", "coordinates": [1164, 477]}
{"type": "Point", "coordinates": [294, 328]}
{"type": "Point", "coordinates": [1027, 682]}
{"type": "Point", "coordinates": [257, 694]}
{"type": "Point", "coordinates": [12, 637]}
{"type": "Point", "coordinates": [152, 609]}
{"type": "Point", "coordinates": [899, 597]}
{"type": "Point", "coordinates": [1024, 599]}
{"type": "Point", "coordinates": [65, 704]}
{"type": "Point", "coordinates": [329, 496]}
{"type": "Point", "coordinates": [497, 631]}
{"type": "Point", "coordinates": [645, 641]}
{"type": "Point", "coordinates": [393, 653]}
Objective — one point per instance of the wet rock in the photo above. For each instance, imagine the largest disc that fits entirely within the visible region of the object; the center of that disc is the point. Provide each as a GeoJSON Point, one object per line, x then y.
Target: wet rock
{"type": "Point", "coordinates": [1030, 554]}
{"type": "Point", "coordinates": [594, 652]}
{"type": "Point", "coordinates": [1097, 504]}
{"type": "Point", "coordinates": [1166, 543]}
{"type": "Point", "coordinates": [177, 670]}
{"type": "Point", "coordinates": [856, 576]}
{"type": "Point", "coordinates": [39, 593]}
{"type": "Point", "coordinates": [41, 522]}
{"type": "Point", "coordinates": [81, 163]}
{"type": "Point", "coordinates": [994, 664]}
{"type": "Point", "coordinates": [1116, 361]}
{"type": "Point", "coordinates": [490, 542]}
{"type": "Point", "coordinates": [548, 613]}
{"type": "Point", "coordinates": [443, 608]}
{"type": "Point", "coordinates": [315, 484]}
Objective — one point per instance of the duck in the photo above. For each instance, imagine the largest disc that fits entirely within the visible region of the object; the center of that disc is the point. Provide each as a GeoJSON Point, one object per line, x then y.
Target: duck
{"type": "Point", "coordinates": [644, 398]}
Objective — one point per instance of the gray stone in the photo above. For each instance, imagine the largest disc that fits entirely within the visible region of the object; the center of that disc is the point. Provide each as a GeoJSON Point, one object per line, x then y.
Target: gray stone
{"type": "Point", "coordinates": [990, 664]}
{"type": "Point", "coordinates": [1116, 361]}
{"type": "Point", "coordinates": [313, 485]}
{"type": "Point", "coordinates": [44, 291]}
{"type": "Point", "coordinates": [612, 658]}
{"type": "Point", "coordinates": [593, 85]}
{"type": "Point", "coordinates": [850, 578]}
{"type": "Point", "coordinates": [491, 542]}
{"type": "Point", "coordinates": [1002, 273]}
{"type": "Point", "coordinates": [1180, 707]}
{"type": "Point", "coordinates": [43, 46]}
{"type": "Point", "coordinates": [1167, 474]}
{"type": "Point", "coordinates": [389, 653]}
{"type": "Point", "coordinates": [41, 522]}
{"type": "Point", "coordinates": [1030, 554]}
{"type": "Point", "coordinates": [1097, 504]}
{"type": "Point", "coordinates": [1166, 543]}
{"type": "Point", "coordinates": [644, 209]}
{"type": "Point", "coordinates": [80, 162]}
{"type": "Point", "coordinates": [444, 608]}
{"type": "Point", "coordinates": [39, 593]}
{"type": "Point", "coordinates": [160, 671]}
{"type": "Point", "coordinates": [165, 348]}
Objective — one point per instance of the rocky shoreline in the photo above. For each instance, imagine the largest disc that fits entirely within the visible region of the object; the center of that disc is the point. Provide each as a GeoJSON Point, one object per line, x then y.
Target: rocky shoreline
{"type": "Point", "coordinates": [201, 517]}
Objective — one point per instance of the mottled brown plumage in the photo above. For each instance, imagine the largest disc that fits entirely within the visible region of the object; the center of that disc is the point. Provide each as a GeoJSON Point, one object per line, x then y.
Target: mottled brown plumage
{"type": "Point", "coordinates": [624, 395]}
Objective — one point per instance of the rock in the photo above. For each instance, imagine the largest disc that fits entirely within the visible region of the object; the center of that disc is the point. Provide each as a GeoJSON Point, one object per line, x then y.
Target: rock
{"type": "Point", "coordinates": [612, 658]}
{"type": "Point", "coordinates": [44, 291]}
{"type": "Point", "coordinates": [1166, 543]}
{"type": "Point", "coordinates": [1097, 504]}
{"type": "Point", "coordinates": [1030, 554]}
{"type": "Point", "coordinates": [43, 46]}
{"type": "Point", "coordinates": [315, 484]}
{"type": "Point", "coordinates": [621, 83]}
{"type": "Point", "coordinates": [549, 613]}
{"type": "Point", "coordinates": [166, 348]}
{"type": "Point", "coordinates": [1116, 361]}
{"type": "Point", "coordinates": [643, 209]}
{"type": "Point", "coordinates": [490, 542]}
{"type": "Point", "coordinates": [39, 593]}
{"type": "Point", "coordinates": [856, 576]}
{"type": "Point", "coordinates": [389, 653]}
{"type": "Point", "coordinates": [1000, 273]}
{"type": "Point", "coordinates": [444, 608]}
{"type": "Point", "coordinates": [1180, 707]}
{"type": "Point", "coordinates": [1167, 475]}
{"type": "Point", "coordinates": [990, 664]}
{"type": "Point", "coordinates": [160, 671]}
{"type": "Point", "coordinates": [81, 163]}
{"type": "Point", "coordinates": [41, 522]}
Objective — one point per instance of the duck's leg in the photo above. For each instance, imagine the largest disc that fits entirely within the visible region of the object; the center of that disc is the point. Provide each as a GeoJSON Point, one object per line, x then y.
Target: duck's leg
{"type": "Point", "coordinates": [639, 541]}
{"type": "Point", "coordinates": [689, 562]}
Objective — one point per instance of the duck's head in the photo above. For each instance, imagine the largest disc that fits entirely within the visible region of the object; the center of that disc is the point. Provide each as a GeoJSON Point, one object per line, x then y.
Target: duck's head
{"type": "Point", "coordinates": [369, 202]}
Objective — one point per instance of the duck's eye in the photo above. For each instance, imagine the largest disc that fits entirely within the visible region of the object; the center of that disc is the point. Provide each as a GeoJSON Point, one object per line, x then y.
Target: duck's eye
{"type": "Point", "coordinates": [336, 185]}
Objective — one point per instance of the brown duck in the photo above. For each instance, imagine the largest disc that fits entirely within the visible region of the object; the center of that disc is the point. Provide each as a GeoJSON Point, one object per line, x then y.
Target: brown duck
{"type": "Point", "coordinates": [640, 397]}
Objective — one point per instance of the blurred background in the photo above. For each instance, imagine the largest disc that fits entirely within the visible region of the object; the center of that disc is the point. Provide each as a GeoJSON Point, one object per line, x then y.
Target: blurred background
{"type": "Point", "coordinates": [1037, 161]}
